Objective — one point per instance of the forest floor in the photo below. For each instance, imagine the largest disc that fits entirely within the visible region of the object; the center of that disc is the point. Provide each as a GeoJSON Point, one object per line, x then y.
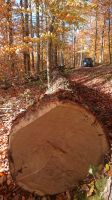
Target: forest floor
{"type": "Point", "coordinates": [93, 88]}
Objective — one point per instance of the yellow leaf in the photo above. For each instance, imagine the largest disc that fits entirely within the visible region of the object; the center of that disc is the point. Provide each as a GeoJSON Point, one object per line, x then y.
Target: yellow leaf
{"type": "Point", "coordinates": [107, 167]}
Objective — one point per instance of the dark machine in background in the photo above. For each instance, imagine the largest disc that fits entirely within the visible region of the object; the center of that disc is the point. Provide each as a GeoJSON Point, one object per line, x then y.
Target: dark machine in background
{"type": "Point", "coordinates": [87, 62]}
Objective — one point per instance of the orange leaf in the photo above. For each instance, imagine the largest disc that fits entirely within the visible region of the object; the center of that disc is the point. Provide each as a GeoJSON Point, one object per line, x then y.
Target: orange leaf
{"type": "Point", "coordinates": [2, 174]}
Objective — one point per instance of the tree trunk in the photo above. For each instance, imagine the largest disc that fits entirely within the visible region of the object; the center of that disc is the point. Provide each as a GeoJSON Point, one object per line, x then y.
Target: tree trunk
{"type": "Point", "coordinates": [55, 56]}
{"type": "Point", "coordinates": [62, 62]}
{"type": "Point", "coordinates": [32, 35]}
{"type": "Point", "coordinates": [49, 51]}
{"type": "Point", "coordinates": [74, 47]}
{"type": "Point", "coordinates": [26, 34]}
{"type": "Point", "coordinates": [102, 43]}
{"type": "Point", "coordinates": [23, 31]}
{"type": "Point", "coordinates": [109, 33]}
{"type": "Point", "coordinates": [96, 36]}
{"type": "Point", "coordinates": [81, 54]}
{"type": "Point", "coordinates": [42, 43]}
{"type": "Point", "coordinates": [10, 34]}
{"type": "Point", "coordinates": [22, 19]}
{"type": "Point", "coordinates": [51, 161]}
{"type": "Point", "coordinates": [38, 36]}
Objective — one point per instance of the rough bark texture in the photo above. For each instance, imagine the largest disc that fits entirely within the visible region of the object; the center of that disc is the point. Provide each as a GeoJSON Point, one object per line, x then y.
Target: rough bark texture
{"type": "Point", "coordinates": [38, 36]}
{"type": "Point", "coordinates": [96, 37]}
{"type": "Point", "coordinates": [32, 35]}
{"type": "Point", "coordinates": [26, 34]}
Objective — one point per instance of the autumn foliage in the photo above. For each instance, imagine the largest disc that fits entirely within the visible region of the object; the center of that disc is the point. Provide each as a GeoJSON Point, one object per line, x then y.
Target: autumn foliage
{"type": "Point", "coordinates": [41, 35]}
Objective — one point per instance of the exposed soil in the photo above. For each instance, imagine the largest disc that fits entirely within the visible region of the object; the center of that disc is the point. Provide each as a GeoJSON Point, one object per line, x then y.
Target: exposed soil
{"type": "Point", "coordinates": [54, 152]}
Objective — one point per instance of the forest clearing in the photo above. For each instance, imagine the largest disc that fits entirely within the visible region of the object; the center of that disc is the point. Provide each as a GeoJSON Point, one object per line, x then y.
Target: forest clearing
{"type": "Point", "coordinates": [55, 99]}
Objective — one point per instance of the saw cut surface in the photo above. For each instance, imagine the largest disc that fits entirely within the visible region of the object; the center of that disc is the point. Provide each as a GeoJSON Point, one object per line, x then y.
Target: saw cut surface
{"type": "Point", "coordinates": [54, 152]}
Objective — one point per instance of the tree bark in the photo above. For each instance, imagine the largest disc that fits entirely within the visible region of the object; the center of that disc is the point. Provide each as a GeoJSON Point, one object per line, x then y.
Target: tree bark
{"type": "Point", "coordinates": [38, 36]}
{"type": "Point", "coordinates": [42, 43]}
{"type": "Point", "coordinates": [49, 50]}
{"type": "Point", "coordinates": [32, 35]}
{"type": "Point", "coordinates": [96, 36]}
{"type": "Point", "coordinates": [81, 54]}
{"type": "Point", "coordinates": [26, 34]}
{"type": "Point", "coordinates": [10, 34]}
{"type": "Point", "coordinates": [102, 43]}
{"type": "Point", "coordinates": [62, 62]}
{"type": "Point", "coordinates": [109, 33]}
{"type": "Point", "coordinates": [74, 47]}
{"type": "Point", "coordinates": [55, 56]}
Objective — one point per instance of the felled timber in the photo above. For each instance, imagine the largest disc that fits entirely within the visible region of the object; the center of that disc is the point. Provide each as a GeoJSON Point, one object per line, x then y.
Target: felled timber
{"type": "Point", "coordinates": [52, 145]}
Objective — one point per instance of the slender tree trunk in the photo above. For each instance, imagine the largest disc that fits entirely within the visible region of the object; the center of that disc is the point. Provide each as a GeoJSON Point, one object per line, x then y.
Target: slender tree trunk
{"type": "Point", "coordinates": [49, 50]}
{"type": "Point", "coordinates": [38, 35]}
{"type": "Point", "coordinates": [62, 58]}
{"type": "Point", "coordinates": [109, 33]}
{"type": "Point", "coordinates": [32, 35]}
{"type": "Point", "coordinates": [62, 62]}
{"type": "Point", "coordinates": [74, 47]}
{"type": "Point", "coordinates": [102, 43]}
{"type": "Point", "coordinates": [10, 22]}
{"type": "Point", "coordinates": [23, 31]}
{"type": "Point", "coordinates": [81, 54]}
{"type": "Point", "coordinates": [42, 57]}
{"type": "Point", "coordinates": [49, 60]}
{"type": "Point", "coordinates": [26, 34]}
{"type": "Point", "coordinates": [22, 19]}
{"type": "Point", "coordinates": [42, 43]}
{"type": "Point", "coordinates": [96, 36]}
{"type": "Point", "coordinates": [55, 56]}
{"type": "Point", "coordinates": [10, 34]}
{"type": "Point", "coordinates": [47, 55]}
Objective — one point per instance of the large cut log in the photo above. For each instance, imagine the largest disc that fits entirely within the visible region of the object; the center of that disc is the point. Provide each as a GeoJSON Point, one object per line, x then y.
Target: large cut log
{"type": "Point", "coordinates": [53, 145]}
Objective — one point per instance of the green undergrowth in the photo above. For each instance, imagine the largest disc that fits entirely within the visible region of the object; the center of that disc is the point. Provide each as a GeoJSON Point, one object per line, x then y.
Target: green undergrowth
{"type": "Point", "coordinates": [94, 191]}
{"type": "Point", "coordinates": [92, 188]}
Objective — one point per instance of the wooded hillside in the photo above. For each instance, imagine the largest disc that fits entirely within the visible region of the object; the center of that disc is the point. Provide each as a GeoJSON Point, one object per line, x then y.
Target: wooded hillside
{"type": "Point", "coordinates": [41, 35]}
